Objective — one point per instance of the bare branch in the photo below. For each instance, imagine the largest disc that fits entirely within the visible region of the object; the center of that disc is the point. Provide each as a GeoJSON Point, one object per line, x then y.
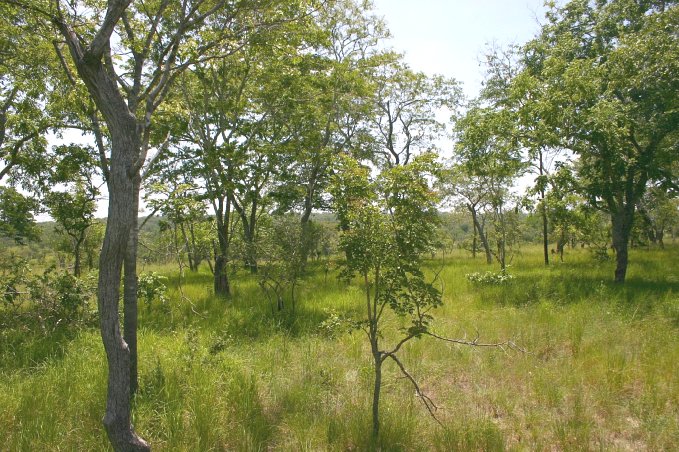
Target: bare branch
{"type": "Point", "coordinates": [398, 346]}
{"type": "Point", "coordinates": [475, 342]}
{"type": "Point", "coordinates": [426, 400]}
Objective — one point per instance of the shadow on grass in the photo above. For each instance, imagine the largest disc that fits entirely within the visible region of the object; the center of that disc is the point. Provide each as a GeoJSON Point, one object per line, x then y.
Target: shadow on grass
{"type": "Point", "coordinates": [27, 348]}
{"type": "Point", "coordinates": [248, 314]}
{"type": "Point", "coordinates": [640, 295]}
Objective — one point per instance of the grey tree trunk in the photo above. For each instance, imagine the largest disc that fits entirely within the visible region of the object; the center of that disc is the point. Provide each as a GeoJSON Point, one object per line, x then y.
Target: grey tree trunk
{"type": "Point", "coordinates": [77, 266]}
{"type": "Point", "coordinates": [221, 278]}
{"type": "Point", "coordinates": [545, 237]}
{"type": "Point", "coordinates": [130, 302]}
{"type": "Point", "coordinates": [482, 235]}
{"type": "Point", "coordinates": [122, 214]}
{"type": "Point", "coordinates": [376, 393]}
{"type": "Point", "coordinates": [621, 222]}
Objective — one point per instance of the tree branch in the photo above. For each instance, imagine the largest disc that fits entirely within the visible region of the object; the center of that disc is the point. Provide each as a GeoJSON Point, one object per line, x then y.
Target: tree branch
{"type": "Point", "coordinates": [426, 400]}
{"type": "Point", "coordinates": [102, 39]}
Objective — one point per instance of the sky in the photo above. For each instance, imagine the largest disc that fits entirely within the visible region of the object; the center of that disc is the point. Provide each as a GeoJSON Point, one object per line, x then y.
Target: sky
{"type": "Point", "coordinates": [449, 37]}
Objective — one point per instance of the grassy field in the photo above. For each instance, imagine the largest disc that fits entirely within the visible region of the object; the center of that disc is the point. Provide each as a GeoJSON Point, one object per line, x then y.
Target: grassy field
{"type": "Point", "coordinates": [600, 371]}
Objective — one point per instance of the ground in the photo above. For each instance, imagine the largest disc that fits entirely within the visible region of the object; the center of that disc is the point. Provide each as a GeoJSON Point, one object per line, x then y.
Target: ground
{"type": "Point", "coordinates": [598, 372]}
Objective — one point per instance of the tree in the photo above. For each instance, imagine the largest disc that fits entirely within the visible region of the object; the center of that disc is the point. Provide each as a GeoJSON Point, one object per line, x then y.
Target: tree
{"type": "Point", "coordinates": [74, 209]}
{"type": "Point", "coordinates": [512, 91]}
{"type": "Point", "coordinates": [391, 223]}
{"type": "Point", "coordinates": [154, 44]}
{"type": "Point", "coordinates": [407, 104]}
{"type": "Point", "coordinates": [488, 161]}
{"type": "Point", "coordinates": [24, 120]}
{"type": "Point", "coordinates": [608, 72]}
{"type": "Point", "coordinates": [23, 117]}
{"type": "Point", "coordinates": [184, 212]}
{"type": "Point", "coordinates": [283, 253]}
{"type": "Point", "coordinates": [328, 102]}
{"type": "Point", "coordinates": [471, 192]}
{"type": "Point", "coordinates": [16, 218]}
{"type": "Point", "coordinates": [659, 212]}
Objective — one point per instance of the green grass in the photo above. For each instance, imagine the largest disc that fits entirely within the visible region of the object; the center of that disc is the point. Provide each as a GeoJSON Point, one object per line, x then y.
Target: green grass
{"type": "Point", "coordinates": [600, 370]}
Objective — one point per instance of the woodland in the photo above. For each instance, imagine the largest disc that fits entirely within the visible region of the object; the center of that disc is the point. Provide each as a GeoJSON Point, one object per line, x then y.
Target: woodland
{"type": "Point", "coordinates": [336, 251]}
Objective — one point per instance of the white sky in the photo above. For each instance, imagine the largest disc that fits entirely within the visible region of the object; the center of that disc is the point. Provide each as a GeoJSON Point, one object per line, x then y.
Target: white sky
{"type": "Point", "coordinates": [449, 37]}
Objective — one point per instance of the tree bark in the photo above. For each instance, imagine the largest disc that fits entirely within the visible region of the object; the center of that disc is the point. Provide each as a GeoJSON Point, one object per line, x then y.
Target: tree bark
{"type": "Point", "coordinates": [77, 271]}
{"type": "Point", "coordinates": [377, 357]}
{"type": "Point", "coordinates": [545, 237]}
{"type": "Point", "coordinates": [221, 278]}
{"type": "Point", "coordinates": [482, 236]}
{"type": "Point", "coordinates": [304, 231]}
{"type": "Point", "coordinates": [119, 229]}
{"type": "Point", "coordinates": [130, 302]}
{"type": "Point", "coordinates": [621, 222]}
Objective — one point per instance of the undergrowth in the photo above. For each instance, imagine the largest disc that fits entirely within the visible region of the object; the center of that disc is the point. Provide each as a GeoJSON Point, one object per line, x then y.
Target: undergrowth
{"type": "Point", "coordinates": [599, 371]}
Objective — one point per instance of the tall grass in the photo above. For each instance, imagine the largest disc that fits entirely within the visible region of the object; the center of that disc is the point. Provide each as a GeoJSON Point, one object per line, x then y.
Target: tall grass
{"type": "Point", "coordinates": [230, 374]}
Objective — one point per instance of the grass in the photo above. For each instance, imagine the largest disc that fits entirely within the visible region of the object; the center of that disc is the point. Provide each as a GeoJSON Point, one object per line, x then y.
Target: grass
{"type": "Point", "coordinates": [600, 372]}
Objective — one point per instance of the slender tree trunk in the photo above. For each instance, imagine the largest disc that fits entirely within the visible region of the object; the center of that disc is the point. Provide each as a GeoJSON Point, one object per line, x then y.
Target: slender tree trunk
{"type": "Point", "coordinates": [121, 217]}
{"type": "Point", "coordinates": [221, 277]}
{"type": "Point", "coordinates": [77, 264]}
{"type": "Point", "coordinates": [305, 221]}
{"type": "Point", "coordinates": [250, 259]}
{"type": "Point", "coordinates": [377, 358]}
{"type": "Point", "coordinates": [189, 250]}
{"type": "Point", "coordinates": [130, 304]}
{"type": "Point", "coordinates": [545, 227]}
{"type": "Point", "coordinates": [474, 244]}
{"type": "Point", "coordinates": [621, 222]}
{"type": "Point", "coordinates": [482, 236]}
{"type": "Point", "coordinates": [196, 252]}
{"type": "Point", "coordinates": [545, 238]}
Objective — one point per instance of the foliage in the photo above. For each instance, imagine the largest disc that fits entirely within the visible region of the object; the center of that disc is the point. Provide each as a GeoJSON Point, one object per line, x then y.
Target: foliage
{"type": "Point", "coordinates": [152, 287]}
{"type": "Point", "coordinates": [49, 301]}
{"type": "Point", "coordinates": [607, 72]}
{"type": "Point", "coordinates": [489, 278]}
{"type": "Point", "coordinates": [16, 219]}
{"type": "Point", "coordinates": [282, 246]}
{"type": "Point", "coordinates": [388, 224]}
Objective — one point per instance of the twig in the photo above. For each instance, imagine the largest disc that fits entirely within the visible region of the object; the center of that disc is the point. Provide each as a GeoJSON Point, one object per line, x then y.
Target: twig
{"type": "Point", "coordinates": [475, 342]}
{"type": "Point", "coordinates": [426, 400]}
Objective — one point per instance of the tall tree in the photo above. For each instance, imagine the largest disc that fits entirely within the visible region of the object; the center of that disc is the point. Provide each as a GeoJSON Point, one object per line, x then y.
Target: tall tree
{"type": "Point", "coordinates": [407, 109]}
{"type": "Point", "coordinates": [488, 160]}
{"type": "Point", "coordinates": [74, 209]}
{"type": "Point", "coordinates": [128, 77]}
{"type": "Point", "coordinates": [608, 76]}
{"type": "Point", "coordinates": [517, 94]}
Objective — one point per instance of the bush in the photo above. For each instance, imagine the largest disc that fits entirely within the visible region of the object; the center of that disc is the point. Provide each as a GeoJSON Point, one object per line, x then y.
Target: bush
{"type": "Point", "coordinates": [60, 299]}
{"type": "Point", "coordinates": [151, 286]}
{"type": "Point", "coordinates": [489, 278]}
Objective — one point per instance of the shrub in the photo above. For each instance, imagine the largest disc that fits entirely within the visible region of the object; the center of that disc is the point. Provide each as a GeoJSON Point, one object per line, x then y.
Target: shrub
{"type": "Point", "coordinates": [151, 286]}
{"type": "Point", "coordinates": [489, 278]}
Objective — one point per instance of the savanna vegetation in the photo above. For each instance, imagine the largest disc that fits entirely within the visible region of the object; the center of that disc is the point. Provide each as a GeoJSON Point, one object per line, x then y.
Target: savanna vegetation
{"type": "Point", "coordinates": [318, 271]}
